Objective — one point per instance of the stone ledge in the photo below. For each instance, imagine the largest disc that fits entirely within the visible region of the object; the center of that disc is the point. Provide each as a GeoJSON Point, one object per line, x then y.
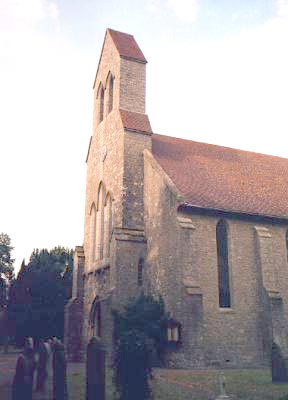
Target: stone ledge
{"type": "Point", "coordinates": [192, 287]}
{"type": "Point", "coordinates": [185, 223]}
{"type": "Point", "coordinates": [131, 235]}
{"type": "Point", "coordinates": [262, 232]}
{"type": "Point", "coordinates": [274, 294]}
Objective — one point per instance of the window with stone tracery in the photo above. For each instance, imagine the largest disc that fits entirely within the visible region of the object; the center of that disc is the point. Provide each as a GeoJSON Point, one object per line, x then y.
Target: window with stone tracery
{"type": "Point", "coordinates": [223, 265]}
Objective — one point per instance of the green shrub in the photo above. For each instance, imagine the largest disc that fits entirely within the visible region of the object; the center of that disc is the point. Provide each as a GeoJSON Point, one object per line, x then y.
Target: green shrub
{"type": "Point", "coordinates": [140, 333]}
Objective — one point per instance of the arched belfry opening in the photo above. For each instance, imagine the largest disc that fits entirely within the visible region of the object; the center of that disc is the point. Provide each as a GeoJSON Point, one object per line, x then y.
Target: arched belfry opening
{"type": "Point", "coordinates": [223, 264]}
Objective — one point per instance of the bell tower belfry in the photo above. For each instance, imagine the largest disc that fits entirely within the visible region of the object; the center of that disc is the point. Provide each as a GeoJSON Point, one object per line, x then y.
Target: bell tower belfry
{"type": "Point", "coordinates": [120, 81]}
{"type": "Point", "coordinates": [121, 131]}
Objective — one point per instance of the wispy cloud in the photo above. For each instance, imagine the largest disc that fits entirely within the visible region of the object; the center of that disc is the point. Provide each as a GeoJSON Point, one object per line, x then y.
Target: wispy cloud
{"type": "Point", "coordinates": [184, 9]}
{"type": "Point", "coordinates": [153, 6]}
{"type": "Point", "coordinates": [19, 13]}
{"type": "Point", "coordinates": [282, 8]}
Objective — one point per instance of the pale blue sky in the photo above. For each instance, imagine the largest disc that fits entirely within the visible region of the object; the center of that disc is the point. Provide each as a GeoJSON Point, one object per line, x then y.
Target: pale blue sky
{"type": "Point", "coordinates": [217, 73]}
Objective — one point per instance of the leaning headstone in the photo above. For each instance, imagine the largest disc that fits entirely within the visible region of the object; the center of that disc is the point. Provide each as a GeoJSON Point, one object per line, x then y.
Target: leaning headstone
{"type": "Point", "coordinates": [59, 372]}
{"type": "Point", "coordinates": [95, 370]}
{"type": "Point", "coordinates": [278, 365]}
{"type": "Point", "coordinates": [222, 384]}
{"type": "Point", "coordinates": [23, 379]}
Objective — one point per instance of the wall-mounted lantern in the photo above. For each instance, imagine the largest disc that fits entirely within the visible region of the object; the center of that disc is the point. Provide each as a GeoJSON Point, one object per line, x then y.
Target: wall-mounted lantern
{"type": "Point", "coordinates": [173, 331]}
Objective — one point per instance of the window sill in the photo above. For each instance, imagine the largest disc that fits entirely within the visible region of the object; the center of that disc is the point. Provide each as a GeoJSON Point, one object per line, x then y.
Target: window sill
{"type": "Point", "coordinates": [227, 310]}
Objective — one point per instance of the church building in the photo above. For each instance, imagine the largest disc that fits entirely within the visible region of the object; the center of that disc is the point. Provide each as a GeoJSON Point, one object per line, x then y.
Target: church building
{"type": "Point", "coordinates": [203, 226]}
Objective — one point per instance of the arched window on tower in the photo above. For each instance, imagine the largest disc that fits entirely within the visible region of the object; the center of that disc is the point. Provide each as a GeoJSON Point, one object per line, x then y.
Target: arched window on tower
{"type": "Point", "coordinates": [223, 265]}
{"type": "Point", "coordinates": [111, 93]}
{"type": "Point", "coordinates": [92, 232]}
{"type": "Point", "coordinates": [107, 225]}
{"type": "Point", "coordinates": [100, 222]}
{"type": "Point", "coordinates": [101, 105]}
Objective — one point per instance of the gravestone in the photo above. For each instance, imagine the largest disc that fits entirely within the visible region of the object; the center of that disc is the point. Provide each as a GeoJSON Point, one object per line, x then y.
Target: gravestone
{"type": "Point", "coordinates": [278, 365]}
{"type": "Point", "coordinates": [222, 384]}
{"type": "Point", "coordinates": [22, 385]}
{"type": "Point", "coordinates": [95, 370]}
{"type": "Point", "coordinates": [42, 365]}
{"type": "Point", "coordinates": [60, 391]}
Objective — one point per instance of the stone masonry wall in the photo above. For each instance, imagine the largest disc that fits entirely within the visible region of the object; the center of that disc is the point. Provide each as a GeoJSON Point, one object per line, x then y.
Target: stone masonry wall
{"type": "Point", "coordinates": [228, 337]}
{"type": "Point", "coordinates": [133, 179]}
{"type": "Point", "coordinates": [133, 86]}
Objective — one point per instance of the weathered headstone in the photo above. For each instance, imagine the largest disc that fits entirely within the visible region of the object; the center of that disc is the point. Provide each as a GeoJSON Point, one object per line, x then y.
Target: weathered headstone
{"type": "Point", "coordinates": [22, 386]}
{"type": "Point", "coordinates": [42, 373]}
{"type": "Point", "coordinates": [222, 384]}
{"type": "Point", "coordinates": [60, 391]}
{"type": "Point", "coordinates": [278, 365]}
{"type": "Point", "coordinates": [29, 342]}
{"type": "Point", "coordinates": [95, 370]}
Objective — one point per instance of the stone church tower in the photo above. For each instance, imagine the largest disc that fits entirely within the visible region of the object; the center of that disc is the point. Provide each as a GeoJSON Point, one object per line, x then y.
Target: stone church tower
{"type": "Point", "coordinates": [114, 240]}
{"type": "Point", "coordinates": [204, 226]}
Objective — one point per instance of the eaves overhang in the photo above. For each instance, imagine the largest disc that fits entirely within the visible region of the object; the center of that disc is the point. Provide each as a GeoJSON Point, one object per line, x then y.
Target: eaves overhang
{"type": "Point", "coordinates": [233, 214]}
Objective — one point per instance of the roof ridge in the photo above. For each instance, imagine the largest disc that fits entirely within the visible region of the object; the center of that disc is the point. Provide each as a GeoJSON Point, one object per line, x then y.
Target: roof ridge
{"type": "Point", "coordinates": [135, 121]}
{"type": "Point", "coordinates": [220, 146]}
{"type": "Point", "coordinates": [222, 178]}
{"type": "Point", "coordinates": [127, 46]}
{"type": "Point", "coordinates": [122, 33]}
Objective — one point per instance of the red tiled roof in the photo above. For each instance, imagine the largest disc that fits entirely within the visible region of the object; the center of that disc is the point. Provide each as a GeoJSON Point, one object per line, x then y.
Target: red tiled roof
{"type": "Point", "coordinates": [127, 46]}
{"type": "Point", "coordinates": [135, 121]}
{"type": "Point", "coordinates": [221, 178]}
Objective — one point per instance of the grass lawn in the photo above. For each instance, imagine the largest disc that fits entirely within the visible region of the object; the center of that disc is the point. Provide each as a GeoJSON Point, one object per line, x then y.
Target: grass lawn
{"type": "Point", "coordinates": [198, 385]}
{"type": "Point", "coordinates": [182, 385]}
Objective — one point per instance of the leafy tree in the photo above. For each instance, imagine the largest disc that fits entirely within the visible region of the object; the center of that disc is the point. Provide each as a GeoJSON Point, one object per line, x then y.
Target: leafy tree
{"type": "Point", "coordinates": [40, 293]}
{"type": "Point", "coordinates": [6, 261]}
{"type": "Point", "coordinates": [140, 333]}
{"type": "Point", "coordinates": [3, 292]}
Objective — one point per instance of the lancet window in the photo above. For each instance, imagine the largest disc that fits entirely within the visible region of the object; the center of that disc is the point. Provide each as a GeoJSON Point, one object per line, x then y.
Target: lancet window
{"type": "Point", "coordinates": [140, 271]}
{"type": "Point", "coordinates": [100, 225]}
{"type": "Point", "coordinates": [107, 224]}
{"type": "Point", "coordinates": [111, 94]}
{"type": "Point", "coordinates": [223, 265]}
{"type": "Point", "coordinates": [287, 243]}
{"type": "Point", "coordinates": [92, 232]}
{"type": "Point", "coordinates": [101, 104]}
{"type": "Point", "coordinates": [95, 320]}
{"type": "Point", "coordinates": [100, 222]}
